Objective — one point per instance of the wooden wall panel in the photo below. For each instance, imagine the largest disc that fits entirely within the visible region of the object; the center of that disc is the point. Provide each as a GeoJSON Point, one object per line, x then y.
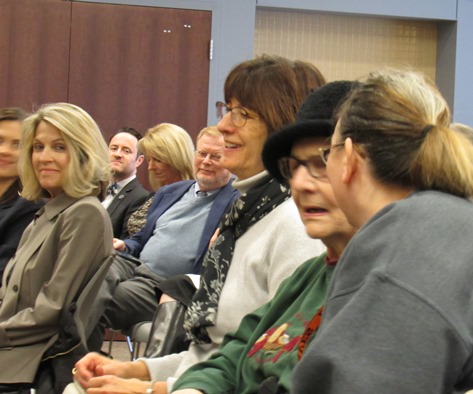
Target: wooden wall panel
{"type": "Point", "coordinates": [34, 52]}
{"type": "Point", "coordinates": [139, 66]}
{"type": "Point", "coordinates": [347, 46]}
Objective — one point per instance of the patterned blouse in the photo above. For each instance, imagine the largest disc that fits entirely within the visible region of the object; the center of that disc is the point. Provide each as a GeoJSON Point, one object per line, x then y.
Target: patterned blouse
{"type": "Point", "coordinates": [137, 219]}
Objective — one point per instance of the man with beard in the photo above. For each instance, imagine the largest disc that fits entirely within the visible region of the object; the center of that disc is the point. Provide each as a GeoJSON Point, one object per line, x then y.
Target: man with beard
{"type": "Point", "coordinates": [125, 193]}
{"type": "Point", "coordinates": [181, 220]}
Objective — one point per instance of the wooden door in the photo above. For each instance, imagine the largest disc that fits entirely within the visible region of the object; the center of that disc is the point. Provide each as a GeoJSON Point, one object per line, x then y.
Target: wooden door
{"type": "Point", "coordinates": [34, 52]}
{"type": "Point", "coordinates": [125, 65]}
{"type": "Point", "coordinates": [140, 66]}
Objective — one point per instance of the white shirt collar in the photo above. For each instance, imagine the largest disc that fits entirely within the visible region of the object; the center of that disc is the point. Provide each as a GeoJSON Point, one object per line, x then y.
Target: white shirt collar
{"type": "Point", "coordinates": [121, 184]}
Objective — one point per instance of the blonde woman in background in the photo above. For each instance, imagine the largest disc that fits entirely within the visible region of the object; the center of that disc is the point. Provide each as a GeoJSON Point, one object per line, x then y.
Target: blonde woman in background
{"type": "Point", "coordinates": [63, 158]}
{"type": "Point", "coordinates": [170, 153]}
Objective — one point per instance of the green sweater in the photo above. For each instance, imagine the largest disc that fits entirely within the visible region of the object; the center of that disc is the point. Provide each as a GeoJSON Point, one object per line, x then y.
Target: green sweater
{"type": "Point", "coordinates": [267, 341]}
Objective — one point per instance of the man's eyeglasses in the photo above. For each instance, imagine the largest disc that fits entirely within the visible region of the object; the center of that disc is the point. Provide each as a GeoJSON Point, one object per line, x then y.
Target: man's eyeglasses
{"type": "Point", "coordinates": [238, 115]}
{"type": "Point", "coordinates": [203, 155]}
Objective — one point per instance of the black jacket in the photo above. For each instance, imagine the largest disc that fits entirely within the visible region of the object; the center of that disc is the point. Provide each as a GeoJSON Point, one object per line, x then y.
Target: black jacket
{"type": "Point", "coordinates": [127, 201]}
{"type": "Point", "coordinates": [15, 215]}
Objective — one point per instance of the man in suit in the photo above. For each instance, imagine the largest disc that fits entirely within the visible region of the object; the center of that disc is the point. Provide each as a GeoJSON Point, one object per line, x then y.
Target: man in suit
{"type": "Point", "coordinates": [181, 220]}
{"type": "Point", "coordinates": [125, 194]}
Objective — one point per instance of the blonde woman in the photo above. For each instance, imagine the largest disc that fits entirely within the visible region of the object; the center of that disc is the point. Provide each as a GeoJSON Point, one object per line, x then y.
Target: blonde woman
{"type": "Point", "coordinates": [63, 158]}
{"type": "Point", "coordinates": [170, 153]}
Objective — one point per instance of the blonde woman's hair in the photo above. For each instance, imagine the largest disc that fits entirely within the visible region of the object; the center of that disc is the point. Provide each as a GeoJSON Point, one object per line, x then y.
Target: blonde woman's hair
{"type": "Point", "coordinates": [463, 129]}
{"type": "Point", "coordinates": [88, 170]}
{"type": "Point", "coordinates": [400, 121]}
{"type": "Point", "coordinates": [169, 144]}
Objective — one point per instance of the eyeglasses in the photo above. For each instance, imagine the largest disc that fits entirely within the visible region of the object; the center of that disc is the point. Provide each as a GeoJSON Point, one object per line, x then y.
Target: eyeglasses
{"type": "Point", "coordinates": [238, 115]}
{"type": "Point", "coordinates": [203, 155]}
{"type": "Point", "coordinates": [315, 166]}
{"type": "Point", "coordinates": [325, 151]}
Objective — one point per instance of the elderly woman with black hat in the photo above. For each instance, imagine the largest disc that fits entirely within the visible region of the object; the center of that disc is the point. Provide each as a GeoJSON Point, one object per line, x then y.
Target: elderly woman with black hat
{"type": "Point", "coordinates": [262, 353]}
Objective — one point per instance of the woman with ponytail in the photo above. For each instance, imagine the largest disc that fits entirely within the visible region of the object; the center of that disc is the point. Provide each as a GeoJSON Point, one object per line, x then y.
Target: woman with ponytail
{"type": "Point", "coordinates": [398, 316]}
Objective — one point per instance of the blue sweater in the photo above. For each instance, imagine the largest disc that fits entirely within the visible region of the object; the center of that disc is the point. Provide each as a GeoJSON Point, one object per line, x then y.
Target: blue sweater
{"type": "Point", "coordinates": [165, 198]}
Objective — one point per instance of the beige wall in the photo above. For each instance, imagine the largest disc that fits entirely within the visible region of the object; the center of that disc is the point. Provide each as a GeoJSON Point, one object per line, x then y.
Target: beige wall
{"type": "Point", "coordinates": [347, 47]}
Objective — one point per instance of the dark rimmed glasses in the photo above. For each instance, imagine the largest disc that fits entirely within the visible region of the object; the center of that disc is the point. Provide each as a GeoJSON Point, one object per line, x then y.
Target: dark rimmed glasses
{"type": "Point", "coordinates": [239, 115]}
{"type": "Point", "coordinates": [316, 166]}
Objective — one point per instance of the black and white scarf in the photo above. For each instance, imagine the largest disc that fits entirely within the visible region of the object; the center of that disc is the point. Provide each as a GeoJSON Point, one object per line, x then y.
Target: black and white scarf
{"type": "Point", "coordinates": [251, 207]}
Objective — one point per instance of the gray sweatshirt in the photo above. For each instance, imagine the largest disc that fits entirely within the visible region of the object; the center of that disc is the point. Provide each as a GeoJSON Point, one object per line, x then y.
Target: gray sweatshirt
{"type": "Point", "coordinates": [399, 310]}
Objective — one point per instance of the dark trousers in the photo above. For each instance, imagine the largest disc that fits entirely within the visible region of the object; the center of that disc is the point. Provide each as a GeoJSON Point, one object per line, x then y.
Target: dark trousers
{"type": "Point", "coordinates": [128, 296]}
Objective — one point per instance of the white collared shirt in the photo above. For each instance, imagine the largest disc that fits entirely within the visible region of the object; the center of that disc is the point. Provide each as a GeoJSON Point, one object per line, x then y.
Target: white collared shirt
{"type": "Point", "coordinates": [119, 186]}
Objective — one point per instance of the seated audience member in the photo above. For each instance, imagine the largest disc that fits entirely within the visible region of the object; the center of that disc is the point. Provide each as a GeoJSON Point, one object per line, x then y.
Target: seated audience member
{"type": "Point", "coordinates": [170, 153]}
{"type": "Point", "coordinates": [63, 157]}
{"type": "Point", "coordinates": [125, 193]}
{"type": "Point", "coordinates": [261, 354]}
{"type": "Point", "coordinates": [398, 312]}
{"type": "Point", "coordinates": [261, 239]}
{"type": "Point", "coordinates": [15, 212]}
{"type": "Point", "coordinates": [181, 220]}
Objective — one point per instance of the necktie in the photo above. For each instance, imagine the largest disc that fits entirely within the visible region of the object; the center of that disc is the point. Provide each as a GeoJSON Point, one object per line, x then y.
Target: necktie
{"type": "Point", "coordinates": [112, 189]}
{"type": "Point", "coordinates": [201, 193]}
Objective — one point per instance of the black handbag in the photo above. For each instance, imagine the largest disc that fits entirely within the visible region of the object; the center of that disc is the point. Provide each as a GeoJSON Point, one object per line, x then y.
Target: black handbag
{"type": "Point", "coordinates": [167, 334]}
{"type": "Point", "coordinates": [55, 369]}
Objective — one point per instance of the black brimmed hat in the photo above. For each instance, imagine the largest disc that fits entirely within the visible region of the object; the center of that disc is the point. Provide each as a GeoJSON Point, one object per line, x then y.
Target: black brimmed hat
{"type": "Point", "coordinates": [314, 119]}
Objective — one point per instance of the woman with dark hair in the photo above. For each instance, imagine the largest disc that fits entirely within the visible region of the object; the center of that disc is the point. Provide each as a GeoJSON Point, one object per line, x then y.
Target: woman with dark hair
{"type": "Point", "coordinates": [261, 239]}
{"type": "Point", "coordinates": [261, 354]}
{"type": "Point", "coordinates": [15, 212]}
{"type": "Point", "coordinates": [398, 316]}
{"type": "Point", "coordinates": [308, 77]}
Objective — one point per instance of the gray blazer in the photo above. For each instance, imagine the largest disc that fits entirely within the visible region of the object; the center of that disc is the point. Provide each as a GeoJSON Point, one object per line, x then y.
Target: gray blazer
{"type": "Point", "coordinates": [58, 253]}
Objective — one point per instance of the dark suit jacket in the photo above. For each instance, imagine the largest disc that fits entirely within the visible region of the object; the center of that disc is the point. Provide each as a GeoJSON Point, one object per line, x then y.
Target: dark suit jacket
{"type": "Point", "coordinates": [164, 199]}
{"type": "Point", "coordinates": [14, 217]}
{"type": "Point", "coordinates": [130, 198]}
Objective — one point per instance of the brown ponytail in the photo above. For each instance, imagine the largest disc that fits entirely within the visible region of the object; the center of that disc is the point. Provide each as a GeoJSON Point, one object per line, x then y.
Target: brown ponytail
{"type": "Point", "coordinates": [401, 122]}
